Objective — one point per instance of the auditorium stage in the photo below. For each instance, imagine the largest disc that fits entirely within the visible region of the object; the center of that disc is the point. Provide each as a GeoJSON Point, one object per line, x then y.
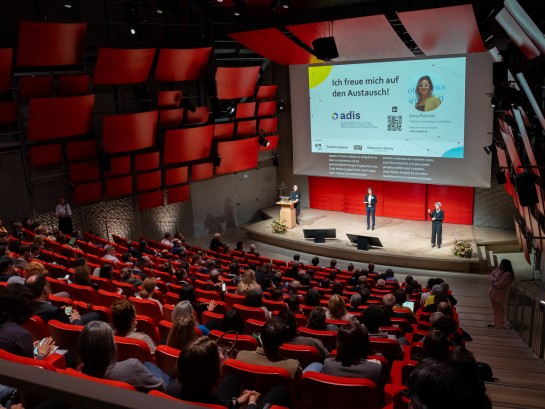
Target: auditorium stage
{"type": "Point", "coordinates": [406, 242]}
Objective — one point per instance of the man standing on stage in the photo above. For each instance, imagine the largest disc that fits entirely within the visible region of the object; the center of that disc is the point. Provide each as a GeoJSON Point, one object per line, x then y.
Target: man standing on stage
{"type": "Point", "coordinates": [295, 197]}
{"type": "Point", "coordinates": [437, 217]}
{"type": "Point", "coordinates": [370, 206]}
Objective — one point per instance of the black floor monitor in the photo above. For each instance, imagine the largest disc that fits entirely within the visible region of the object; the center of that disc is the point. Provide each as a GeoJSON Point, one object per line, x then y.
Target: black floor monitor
{"type": "Point", "coordinates": [364, 242]}
{"type": "Point", "coordinates": [319, 235]}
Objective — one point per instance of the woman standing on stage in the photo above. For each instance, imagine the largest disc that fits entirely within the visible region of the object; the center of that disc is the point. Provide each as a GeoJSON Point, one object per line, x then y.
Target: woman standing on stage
{"type": "Point", "coordinates": [501, 280]}
{"type": "Point", "coordinates": [437, 217]}
{"type": "Point", "coordinates": [370, 206]}
{"type": "Point", "coordinates": [64, 214]}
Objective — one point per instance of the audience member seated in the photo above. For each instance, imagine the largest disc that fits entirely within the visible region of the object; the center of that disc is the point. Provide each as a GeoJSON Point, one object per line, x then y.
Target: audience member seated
{"type": "Point", "coordinates": [272, 338]}
{"type": "Point", "coordinates": [8, 274]}
{"type": "Point", "coordinates": [353, 349]}
{"type": "Point", "coordinates": [15, 310]}
{"type": "Point", "coordinates": [435, 345]}
{"type": "Point", "coordinates": [247, 283]}
{"type": "Point", "coordinates": [374, 317]}
{"type": "Point", "coordinates": [124, 323]}
{"type": "Point", "coordinates": [82, 276]}
{"type": "Point", "coordinates": [182, 332]}
{"type": "Point", "coordinates": [336, 309]}
{"type": "Point", "coordinates": [254, 298]}
{"type": "Point", "coordinates": [232, 321]}
{"type": "Point", "coordinates": [110, 254]}
{"type": "Point", "coordinates": [199, 374]}
{"type": "Point", "coordinates": [148, 288]}
{"type": "Point", "coordinates": [312, 298]}
{"type": "Point", "coordinates": [39, 291]}
{"type": "Point", "coordinates": [389, 277]}
{"type": "Point", "coordinates": [253, 250]}
{"type": "Point", "coordinates": [337, 288]}
{"type": "Point", "coordinates": [185, 308]}
{"type": "Point", "coordinates": [216, 243]}
{"type": "Point", "coordinates": [127, 276]}
{"type": "Point", "coordinates": [294, 303]}
{"type": "Point", "coordinates": [355, 302]}
{"type": "Point", "coordinates": [431, 282]}
{"type": "Point", "coordinates": [399, 310]}
{"type": "Point", "coordinates": [438, 295]}
{"type": "Point", "coordinates": [316, 320]}
{"type": "Point", "coordinates": [288, 318]}
{"type": "Point", "coordinates": [277, 294]}
{"type": "Point", "coordinates": [97, 351]}
{"type": "Point", "coordinates": [167, 240]}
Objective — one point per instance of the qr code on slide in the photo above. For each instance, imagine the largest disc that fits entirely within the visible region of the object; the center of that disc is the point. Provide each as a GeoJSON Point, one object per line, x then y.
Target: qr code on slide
{"type": "Point", "coordinates": [395, 122]}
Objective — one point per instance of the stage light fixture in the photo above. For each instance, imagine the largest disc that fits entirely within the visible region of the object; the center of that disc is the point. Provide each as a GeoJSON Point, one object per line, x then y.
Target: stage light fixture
{"type": "Point", "coordinates": [68, 4]}
{"type": "Point", "coordinates": [490, 148]}
{"type": "Point", "coordinates": [131, 17]}
{"type": "Point", "coordinates": [285, 4]}
{"type": "Point", "coordinates": [230, 110]}
{"type": "Point", "coordinates": [280, 104]}
{"type": "Point", "coordinates": [262, 140]}
{"type": "Point", "coordinates": [239, 5]}
{"type": "Point", "coordinates": [217, 161]}
{"type": "Point", "coordinates": [161, 5]}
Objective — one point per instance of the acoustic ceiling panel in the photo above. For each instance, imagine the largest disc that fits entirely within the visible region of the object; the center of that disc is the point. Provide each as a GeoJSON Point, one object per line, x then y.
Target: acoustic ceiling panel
{"type": "Point", "coordinates": [201, 171]}
{"type": "Point", "coordinates": [150, 200]}
{"type": "Point", "coordinates": [185, 145]}
{"type": "Point", "coordinates": [129, 132]}
{"type": "Point", "coordinates": [69, 85]}
{"type": "Point", "coordinates": [119, 166]}
{"type": "Point", "coordinates": [178, 194]}
{"type": "Point", "coordinates": [81, 150]}
{"type": "Point", "coordinates": [224, 131]}
{"type": "Point", "coordinates": [123, 66]}
{"type": "Point", "coordinates": [237, 155]}
{"type": "Point", "coordinates": [5, 68]}
{"type": "Point", "coordinates": [176, 176]}
{"type": "Point", "coordinates": [117, 187]}
{"type": "Point", "coordinates": [238, 82]}
{"type": "Point", "coordinates": [87, 193]}
{"type": "Point", "coordinates": [46, 155]}
{"type": "Point", "coordinates": [146, 161]}
{"type": "Point", "coordinates": [182, 64]}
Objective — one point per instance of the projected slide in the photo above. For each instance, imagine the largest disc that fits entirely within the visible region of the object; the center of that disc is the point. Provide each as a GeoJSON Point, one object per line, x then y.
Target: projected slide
{"type": "Point", "coordinates": [397, 108]}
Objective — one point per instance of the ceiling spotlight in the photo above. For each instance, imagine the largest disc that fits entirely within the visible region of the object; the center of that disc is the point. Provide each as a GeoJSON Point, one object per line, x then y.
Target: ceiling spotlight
{"type": "Point", "coordinates": [280, 104]}
{"type": "Point", "coordinates": [68, 4]}
{"type": "Point", "coordinates": [239, 5]}
{"type": "Point", "coordinates": [230, 110]}
{"type": "Point", "coordinates": [262, 140]}
{"type": "Point", "coordinates": [160, 7]}
{"type": "Point", "coordinates": [490, 148]}
{"type": "Point", "coordinates": [131, 17]}
{"type": "Point", "coordinates": [285, 4]}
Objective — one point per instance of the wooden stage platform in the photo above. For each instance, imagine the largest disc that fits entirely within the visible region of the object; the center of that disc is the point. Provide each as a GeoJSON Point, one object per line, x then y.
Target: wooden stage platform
{"type": "Point", "coordinates": [405, 242]}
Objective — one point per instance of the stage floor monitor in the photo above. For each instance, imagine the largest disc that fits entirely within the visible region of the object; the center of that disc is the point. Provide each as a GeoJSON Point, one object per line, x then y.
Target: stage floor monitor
{"type": "Point", "coordinates": [319, 235]}
{"type": "Point", "coordinates": [364, 242]}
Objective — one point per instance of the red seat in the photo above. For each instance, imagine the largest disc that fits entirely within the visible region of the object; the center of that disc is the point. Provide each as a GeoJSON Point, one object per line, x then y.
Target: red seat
{"type": "Point", "coordinates": [279, 263]}
{"type": "Point", "coordinates": [106, 298]}
{"type": "Point", "coordinates": [390, 348]}
{"type": "Point", "coordinates": [171, 298]}
{"type": "Point", "coordinates": [257, 377]}
{"type": "Point", "coordinates": [305, 354]}
{"type": "Point", "coordinates": [397, 331]}
{"type": "Point", "coordinates": [65, 335]}
{"type": "Point", "coordinates": [275, 305]}
{"type": "Point", "coordinates": [128, 289]}
{"type": "Point", "coordinates": [36, 326]}
{"type": "Point", "coordinates": [83, 293]}
{"type": "Point", "coordinates": [208, 316]}
{"type": "Point", "coordinates": [241, 342]}
{"type": "Point", "coordinates": [167, 311]}
{"type": "Point", "coordinates": [146, 325]}
{"type": "Point", "coordinates": [247, 313]}
{"type": "Point", "coordinates": [117, 384]}
{"type": "Point", "coordinates": [252, 326]}
{"type": "Point", "coordinates": [401, 370]}
{"type": "Point", "coordinates": [164, 327]}
{"type": "Point", "coordinates": [232, 299]}
{"type": "Point", "coordinates": [331, 392]}
{"type": "Point", "coordinates": [59, 301]}
{"type": "Point", "coordinates": [103, 283]}
{"type": "Point", "coordinates": [328, 338]}
{"type": "Point", "coordinates": [56, 285]}
{"type": "Point", "coordinates": [132, 348]}
{"type": "Point", "coordinates": [403, 324]}
{"type": "Point", "coordinates": [206, 294]}
{"type": "Point", "coordinates": [43, 363]}
{"type": "Point", "coordinates": [147, 307]}
{"type": "Point", "coordinates": [166, 358]}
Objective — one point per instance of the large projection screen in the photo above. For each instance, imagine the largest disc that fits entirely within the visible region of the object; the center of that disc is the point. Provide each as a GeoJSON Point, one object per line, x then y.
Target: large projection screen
{"type": "Point", "coordinates": [364, 120]}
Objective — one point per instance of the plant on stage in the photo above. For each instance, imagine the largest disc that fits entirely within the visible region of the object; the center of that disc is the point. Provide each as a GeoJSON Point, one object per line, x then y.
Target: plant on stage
{"type": "Point", "coordinates": [279, 226]}
{"type": "Point", "coordinates": [462, 248]}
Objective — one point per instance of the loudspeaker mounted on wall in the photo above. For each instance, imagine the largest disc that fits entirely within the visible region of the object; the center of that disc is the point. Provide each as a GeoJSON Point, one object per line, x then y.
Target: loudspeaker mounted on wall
{"type": "Point", "coordinates": [325, 48]}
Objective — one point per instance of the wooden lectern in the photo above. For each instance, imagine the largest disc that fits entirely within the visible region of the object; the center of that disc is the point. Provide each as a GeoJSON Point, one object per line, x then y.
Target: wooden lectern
{"type": "Point", "coordinates": [287, 213]}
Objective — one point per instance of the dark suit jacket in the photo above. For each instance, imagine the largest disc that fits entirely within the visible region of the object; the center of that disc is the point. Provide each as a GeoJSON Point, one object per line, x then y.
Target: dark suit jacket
{"type": "Point", "coordinates": [373, 200]}
{"type": "Point", "coordinates": [47, 311]}
{"type": "Point", "coordinates": [439, 216]}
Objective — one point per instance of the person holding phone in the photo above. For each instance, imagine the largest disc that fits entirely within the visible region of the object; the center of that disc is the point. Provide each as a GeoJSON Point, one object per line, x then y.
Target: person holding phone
{"type": "Point", "coordinates": [370, 207]}
{"type": "Point", "coordinates": [437, 217]}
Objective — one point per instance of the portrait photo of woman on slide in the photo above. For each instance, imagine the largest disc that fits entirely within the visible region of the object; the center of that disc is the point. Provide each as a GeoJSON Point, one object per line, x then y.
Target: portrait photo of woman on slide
{"type": "Point", "coordinates": [424, 94]}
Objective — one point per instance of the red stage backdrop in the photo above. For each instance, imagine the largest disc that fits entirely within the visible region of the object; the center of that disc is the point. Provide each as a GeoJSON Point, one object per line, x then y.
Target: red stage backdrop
{"type": "Point", "coordinates": [409, 201]}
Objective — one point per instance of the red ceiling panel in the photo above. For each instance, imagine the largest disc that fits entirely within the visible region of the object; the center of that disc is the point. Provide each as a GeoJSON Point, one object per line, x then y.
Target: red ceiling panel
{"type": "Point", "coordinates": [146, 161]}
{"type": "Point", "coordinates": [123, 66]}
{"type": "Point", "coordinates": [60, 117]}
{"type": "Point", "coordinates": [447, 30]}
{"type": "Point", "coordinates": [273, 143]}
{"type": "Point", "coordinates": [150, 200]}
{"type": "Point", "coordinates": [182, 64]}
{"type": "Point", "coordinates": [267, 108]}
{"type": "Point", "coordinates": [40, 86]}
{"type": "Point", "coordinates": [246, 128]}
{"type": "Point", "coordinates": [234, 83]}
{"type": "Point", "coordinates": [200, 116]}
{"type": "Point", "coordinates": [45, 44]}
{"type": "Point", "coordinates": [87, 193]}
{"type": "Point", "coordinates": [81, 150]}
{"type": "Point", "coordinates": [119, 166]}
{"type": "Point", "coordinates": [83, 172]}
{"type": "Point", "coordinates": [5, 68]}
{"type": "Point", "coordinates": [185, 145]}
{"type": "Point", "coordinates": [176, 176]}
{"type": "Point", "coordinates": [125, 133]}
{"type": "Point", "coordinates": [245, 110]}
{"type": "Point", "coordinates": [201, 171]}
{"type": "Point", "coordinates": [268, 124]}
{"type": "Point", "coordinates": [117, 187]}
{"type": "Point", "coordinates": [178, 194]}
{"type": "Point", "coordinates": [266, 92]}
{"type": "Point", "coordinates": [73, 85]}
{"type": "Point", "coordinates": [517, 34]}
{"type": "Point", "coordinates": [171, 117]}
{"type": "Point", "coordinates": [237, 155]}
{"type": "Point", "coordinates": [224, 131]}
{"type": "Point", "coordinates": [274, 45]}
{"type": "Point", "coordinates": [169, 98]}
{"type": "Point", "coordinates": [8, 112]}
{"type": "Point", "coordinates": [359, 38]}
{"type": "Point", "coordinates": [45, 155]}
{"type": "Point", "coordinates": [148, 181]}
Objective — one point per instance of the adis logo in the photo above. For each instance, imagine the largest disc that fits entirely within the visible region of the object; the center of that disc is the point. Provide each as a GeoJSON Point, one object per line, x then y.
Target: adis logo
{"type": "Point", "coordinates": [345, 115]}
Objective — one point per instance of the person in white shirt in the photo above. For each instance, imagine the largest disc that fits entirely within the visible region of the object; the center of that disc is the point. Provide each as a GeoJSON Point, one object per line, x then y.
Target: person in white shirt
{"type": "Point", "coordinates": [110, 254]}
{"type": "Point", "coordinates": [64, 214]}
{"type": "Point", "coordinates": [167, 241]}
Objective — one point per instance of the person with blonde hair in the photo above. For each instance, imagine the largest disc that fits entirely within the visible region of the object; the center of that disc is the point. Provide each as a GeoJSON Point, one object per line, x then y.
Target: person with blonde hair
{"type": "Point", "coordinates": [247, 283]}
{"type": "Point", "coordinates": [336, 309]}
{"type": "Point", "coordinates": [148, 288]}
{"type": "Point", "coordinates": [182, 332]}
